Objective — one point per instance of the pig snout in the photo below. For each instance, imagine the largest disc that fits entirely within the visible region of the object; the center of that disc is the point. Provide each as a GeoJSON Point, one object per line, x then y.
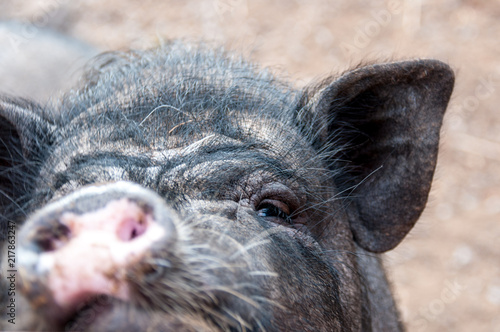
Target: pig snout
{"type": "Point", "coordinates": [82, 246]}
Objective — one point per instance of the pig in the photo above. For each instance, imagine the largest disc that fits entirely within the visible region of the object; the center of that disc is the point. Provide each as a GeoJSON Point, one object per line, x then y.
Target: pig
{"type": "Point", "coordinates": [183, 188]}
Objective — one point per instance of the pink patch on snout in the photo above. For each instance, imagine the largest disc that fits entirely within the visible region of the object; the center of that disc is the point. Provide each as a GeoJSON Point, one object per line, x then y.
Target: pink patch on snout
{"type": "Point", "coordinates": [100, 246]}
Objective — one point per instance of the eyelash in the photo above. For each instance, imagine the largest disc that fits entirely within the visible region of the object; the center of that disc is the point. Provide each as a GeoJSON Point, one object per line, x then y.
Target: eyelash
{"type": "Point", "coordinates": [267, 209]}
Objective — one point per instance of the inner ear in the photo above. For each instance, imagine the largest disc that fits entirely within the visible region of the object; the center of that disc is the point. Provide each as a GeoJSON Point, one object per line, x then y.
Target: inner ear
{"type": "Point", "coordinates": [11, 155]}
{"type": "Point", "coordinates": [381, 124]}
{"type": "Point", "coordinates": [24, 136]}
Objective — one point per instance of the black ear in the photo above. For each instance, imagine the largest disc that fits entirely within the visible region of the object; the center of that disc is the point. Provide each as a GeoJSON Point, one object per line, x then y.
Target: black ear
{"type": "Point", "coordinates": [380, 124]}
{"type": "Point", "coordinates": [24, 136]}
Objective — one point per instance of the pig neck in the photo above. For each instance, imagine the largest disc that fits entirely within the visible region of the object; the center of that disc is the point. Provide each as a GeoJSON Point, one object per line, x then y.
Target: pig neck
{"type": "Point", "coordinates": [378, 309]}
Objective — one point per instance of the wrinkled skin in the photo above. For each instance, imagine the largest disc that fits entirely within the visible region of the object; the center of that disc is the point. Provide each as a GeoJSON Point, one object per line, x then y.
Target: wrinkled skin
{"type": "Point", "coordinates": [267, 203]}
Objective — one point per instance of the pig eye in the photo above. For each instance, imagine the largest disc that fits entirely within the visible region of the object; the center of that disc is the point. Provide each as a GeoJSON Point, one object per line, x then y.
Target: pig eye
{"type": "Point", "coordinates": [274, 209]}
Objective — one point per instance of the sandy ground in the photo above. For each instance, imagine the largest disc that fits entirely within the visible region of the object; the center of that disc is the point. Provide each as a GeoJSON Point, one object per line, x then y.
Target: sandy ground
{"type": "Point", "coordinates": [446, 274]}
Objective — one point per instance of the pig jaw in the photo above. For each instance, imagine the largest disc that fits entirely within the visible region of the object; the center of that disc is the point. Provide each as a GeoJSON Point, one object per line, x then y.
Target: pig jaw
{"type": "Point", "coordinates": [215, 273]}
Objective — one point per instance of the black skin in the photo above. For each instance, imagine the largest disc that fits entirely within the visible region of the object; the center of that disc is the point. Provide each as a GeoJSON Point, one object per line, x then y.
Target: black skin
{"type": "Point", "coordinates": [302, 184]}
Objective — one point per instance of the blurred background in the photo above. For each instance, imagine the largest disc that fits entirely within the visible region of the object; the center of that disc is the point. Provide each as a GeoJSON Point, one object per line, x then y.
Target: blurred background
{"type": "Point", "coordinates": [446, 274]}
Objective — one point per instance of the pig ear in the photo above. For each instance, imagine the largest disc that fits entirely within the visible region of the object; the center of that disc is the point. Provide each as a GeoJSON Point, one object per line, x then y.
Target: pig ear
{"type": "Point", "coordinates": [23, 134]}
{"type": "Point", "coordinates": [380, 124]}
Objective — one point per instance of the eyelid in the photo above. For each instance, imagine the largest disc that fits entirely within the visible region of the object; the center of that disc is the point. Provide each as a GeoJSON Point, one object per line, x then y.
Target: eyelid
{"type": "Point", "coordinates": [279, 194]}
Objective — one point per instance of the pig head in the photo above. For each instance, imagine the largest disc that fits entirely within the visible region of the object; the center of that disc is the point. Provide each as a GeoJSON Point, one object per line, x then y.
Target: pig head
{"type": "Point", "coordinates": [184, 189]}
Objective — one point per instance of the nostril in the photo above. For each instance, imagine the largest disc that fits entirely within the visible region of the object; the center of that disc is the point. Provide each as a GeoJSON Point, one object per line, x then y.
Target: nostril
{"type": "Point", "coordinates": [132, 228]}
{"type": "Point", "coordinates": [52, 237]}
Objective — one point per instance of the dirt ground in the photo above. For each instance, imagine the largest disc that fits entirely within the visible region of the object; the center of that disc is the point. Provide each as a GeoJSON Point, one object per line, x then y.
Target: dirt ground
{"type": "Point", "coordinates": [446, 274]}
